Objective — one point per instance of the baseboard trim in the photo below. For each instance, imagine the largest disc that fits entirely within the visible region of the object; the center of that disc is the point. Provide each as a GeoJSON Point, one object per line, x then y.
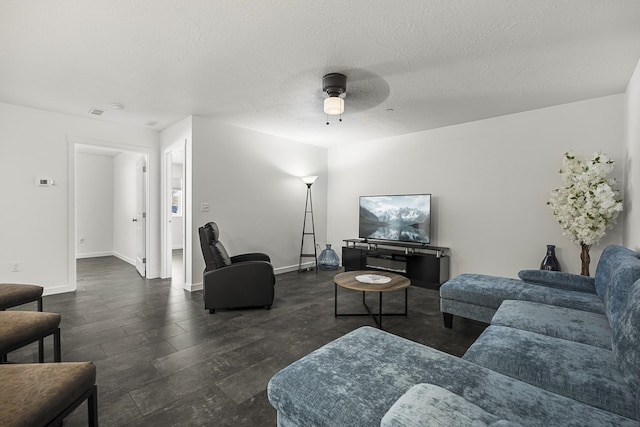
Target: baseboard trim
{"type": "Point", "coordinates": [93, 255]}
{"type": "Point", "coordinates": [124, 258]}
{"type": "Point", "coordinates": [192, 287]}
{"type": "Point", "coordinates": [290, 268]}
{"type": "Point", "coordinates": [53, 290]}
{"type": "Point", "coordinates": [102, 254]}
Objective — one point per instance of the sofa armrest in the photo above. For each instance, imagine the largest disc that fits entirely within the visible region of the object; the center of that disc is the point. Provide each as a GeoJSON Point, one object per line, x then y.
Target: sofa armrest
{"type": "Point", "coordinates": [426, 405]}
{"type": "Point", "coordinates": [254, 256]}
{"type": "Point", "coordinates": [560, 280]}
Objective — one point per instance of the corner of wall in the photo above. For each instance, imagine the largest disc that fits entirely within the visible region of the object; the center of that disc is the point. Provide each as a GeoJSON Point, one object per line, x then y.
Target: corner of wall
{"type": "Point", "coordinates": [631, 192]}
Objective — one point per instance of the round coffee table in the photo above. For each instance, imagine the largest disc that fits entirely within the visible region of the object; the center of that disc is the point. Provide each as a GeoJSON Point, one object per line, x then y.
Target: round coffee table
{"type": "Point", "coordinates": [371, 281]}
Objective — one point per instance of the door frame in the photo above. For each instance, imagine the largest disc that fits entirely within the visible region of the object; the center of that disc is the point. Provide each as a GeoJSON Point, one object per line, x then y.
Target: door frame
{"type": "Point", "coordinates": [72, 142]}
{"type": "Point", "coordinates": [142, 204]}
{"type": "Point", "coordinates": [166, 245]}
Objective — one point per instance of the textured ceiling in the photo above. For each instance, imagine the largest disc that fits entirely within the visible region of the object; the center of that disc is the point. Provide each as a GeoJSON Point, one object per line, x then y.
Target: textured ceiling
{"type": "Point", "coordinates": [410, 65]}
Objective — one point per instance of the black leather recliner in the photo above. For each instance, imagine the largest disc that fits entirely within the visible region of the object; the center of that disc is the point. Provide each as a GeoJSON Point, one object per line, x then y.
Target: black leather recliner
{"type": "Point", "coordinates": [245, 280]}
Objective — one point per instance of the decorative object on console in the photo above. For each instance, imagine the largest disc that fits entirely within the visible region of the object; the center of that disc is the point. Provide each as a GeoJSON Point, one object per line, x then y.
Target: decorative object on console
{"type": "Point", "coordinates": [335, 86]}
{"type": "Point", "coordinates": [328, 259]}
{"type": "Point", "coordinates": [588, 203]}
{"type": "Point", "coordinates": [372, 278]}
{"type": "Point", "coordinates": [308, 211]}
{"type": "Point", "coordinates": [550, 262]}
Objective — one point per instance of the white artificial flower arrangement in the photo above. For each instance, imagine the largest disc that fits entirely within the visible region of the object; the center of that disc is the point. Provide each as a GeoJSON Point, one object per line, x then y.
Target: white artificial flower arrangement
{"type": "Point", "coordinates": [588, 203]}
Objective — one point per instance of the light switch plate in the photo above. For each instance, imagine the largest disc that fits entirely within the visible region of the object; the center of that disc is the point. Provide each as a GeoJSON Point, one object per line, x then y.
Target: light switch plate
{"type": "Point", "coordinates": [204, 207]}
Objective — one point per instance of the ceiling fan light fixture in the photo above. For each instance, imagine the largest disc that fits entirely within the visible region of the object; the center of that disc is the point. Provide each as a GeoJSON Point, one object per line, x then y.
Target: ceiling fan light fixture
{"type": "Point", "coordinates": [335, 86]}
{"type": "Point", "coordinates": [334, 105]}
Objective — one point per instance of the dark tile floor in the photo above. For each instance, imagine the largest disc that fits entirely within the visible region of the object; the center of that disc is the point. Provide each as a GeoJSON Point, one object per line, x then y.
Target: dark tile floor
{"type": "Point", "coordinates": [162, 360]}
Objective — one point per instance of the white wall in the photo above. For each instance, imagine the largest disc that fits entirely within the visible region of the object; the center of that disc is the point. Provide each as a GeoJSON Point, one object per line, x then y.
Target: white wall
{"type": "Point", "coordinates": [124, 206]}
{"type": "Point", "coordinates": [252, 183]}
{"type": "Point", "coordinates": [94, 205]}
{"type": "Point", "coordinates": [490, 181]}
{"type": "Point", "coordinates": [632, 163]}
{"type": "Point", "coordinates": [36, 143]}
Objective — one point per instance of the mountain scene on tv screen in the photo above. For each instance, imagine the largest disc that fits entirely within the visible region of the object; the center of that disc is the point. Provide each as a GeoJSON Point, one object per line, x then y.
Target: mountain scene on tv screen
{"type": "Point", "coordinates": [402, 218]}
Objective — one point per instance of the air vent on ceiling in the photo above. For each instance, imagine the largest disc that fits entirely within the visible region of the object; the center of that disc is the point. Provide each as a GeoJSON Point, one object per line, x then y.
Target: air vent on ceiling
{"type": "Point", "coordinates": [151, 123]}
{"type": "Point", "coordinates": [96, 111]}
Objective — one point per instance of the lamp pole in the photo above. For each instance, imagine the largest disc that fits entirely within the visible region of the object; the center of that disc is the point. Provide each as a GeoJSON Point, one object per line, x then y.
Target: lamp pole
{"type": "Point", "coordinates": [308, 211]}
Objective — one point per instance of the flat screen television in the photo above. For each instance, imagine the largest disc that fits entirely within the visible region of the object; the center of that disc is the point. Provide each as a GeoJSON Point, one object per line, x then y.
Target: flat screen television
{"type": "Point", "coordinates": [401, 218]}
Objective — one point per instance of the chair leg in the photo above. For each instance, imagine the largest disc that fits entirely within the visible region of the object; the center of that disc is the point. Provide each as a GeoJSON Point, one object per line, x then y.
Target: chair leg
{"type": "Point", "coordinates": [40, 304]}
{"type": "Point", "coordinates": [41, 350]}
{"type": "Point", "coordinates": [92, 406]}
{"type": "Point", "coordinates": [212, 310]}
{"type": "Point", "coordinates": [57, 351]}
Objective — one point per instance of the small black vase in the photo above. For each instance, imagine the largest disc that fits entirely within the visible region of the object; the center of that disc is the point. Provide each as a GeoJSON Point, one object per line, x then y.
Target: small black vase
{"type": "Point", "coordinates": [550, 262]}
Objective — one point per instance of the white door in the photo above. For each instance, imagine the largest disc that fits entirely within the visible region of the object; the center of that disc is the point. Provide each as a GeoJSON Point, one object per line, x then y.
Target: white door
{"type": "Point", "coordinates": [141, 217]}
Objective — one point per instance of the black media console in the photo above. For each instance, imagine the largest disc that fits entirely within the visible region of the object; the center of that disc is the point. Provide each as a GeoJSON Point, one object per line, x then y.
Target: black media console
{"type": "Point", "coordinates": [426, 266]}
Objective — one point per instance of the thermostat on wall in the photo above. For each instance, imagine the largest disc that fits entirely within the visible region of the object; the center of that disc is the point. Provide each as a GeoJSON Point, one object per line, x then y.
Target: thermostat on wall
{"type": "Point", "coordinates": [44, 182]}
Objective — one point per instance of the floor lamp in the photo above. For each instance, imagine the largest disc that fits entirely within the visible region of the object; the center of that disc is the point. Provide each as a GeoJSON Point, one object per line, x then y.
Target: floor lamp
{"type": "Point", "coordinates": [308, 211]}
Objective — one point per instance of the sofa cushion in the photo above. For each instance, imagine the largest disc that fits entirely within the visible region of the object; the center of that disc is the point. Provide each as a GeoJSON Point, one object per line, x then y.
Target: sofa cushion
{"type": "Point", "coordinates": [468, 310]}
{"type": "Point", "coordinates": [559, 279]}
{"type": "Point", "coordinates": [355, 379]}
{"type": "Point", "coordinates": [491, 291]}
{"type": "Point", "coordinates": [626, 339]}
{"type": "Point", "coordinates": [582, 372]}
{"type": "Point", "coordinates": [481, 289]}
{"type": "Point", "coordinates": [559, 322]}
{"type": "Point", "coordinates": [427, 405]}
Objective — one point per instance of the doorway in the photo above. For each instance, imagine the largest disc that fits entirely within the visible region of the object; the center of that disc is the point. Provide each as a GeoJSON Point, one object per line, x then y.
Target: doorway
{"type": "Point", "coordinates": [174, 232]}
{"type": "Point", "coordinates": [110, 204]}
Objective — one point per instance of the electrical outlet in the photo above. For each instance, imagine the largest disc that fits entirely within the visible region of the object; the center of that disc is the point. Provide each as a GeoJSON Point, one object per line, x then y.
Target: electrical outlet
{"type": "Point", "coordinates": [205, 207]}
{"type": "Point", "coordinates": [15, 266]}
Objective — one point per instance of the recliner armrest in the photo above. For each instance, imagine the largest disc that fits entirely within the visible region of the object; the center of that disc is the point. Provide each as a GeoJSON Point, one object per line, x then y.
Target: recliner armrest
{"type": "Point", "coordinates": [560, 280]}
{"type": "Point", "coordinates": [242, 272]}
{"type": "Point", "coordinates": [254, 256]}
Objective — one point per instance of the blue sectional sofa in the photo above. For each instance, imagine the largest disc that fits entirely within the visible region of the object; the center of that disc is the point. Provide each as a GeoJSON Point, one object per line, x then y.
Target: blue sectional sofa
{"type": "Point", "coordinates": [546, 359]}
